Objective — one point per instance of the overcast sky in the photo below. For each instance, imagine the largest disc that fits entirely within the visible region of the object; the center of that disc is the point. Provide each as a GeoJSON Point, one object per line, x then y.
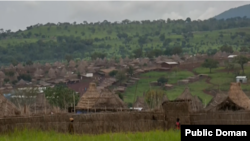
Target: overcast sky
{"type": "Point", "coordinates": [19, 15]}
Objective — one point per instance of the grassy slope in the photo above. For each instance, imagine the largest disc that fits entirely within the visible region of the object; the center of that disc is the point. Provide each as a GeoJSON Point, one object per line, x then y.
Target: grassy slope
{"type": "Point", "coordinates": [147, 78]}
{"type": "Point", "coordinates": [53, 136]}
{"type": "Point", "coordinates": [219, 80]}
{"type": "Point", "coordinates": [131, 30]}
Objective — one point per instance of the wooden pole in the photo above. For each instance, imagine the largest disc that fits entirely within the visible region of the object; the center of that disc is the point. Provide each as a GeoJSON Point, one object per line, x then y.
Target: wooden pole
{"type": "Point", "coordinates": [74, 101]}
{"type": "Point", "coordinates": [35, 107]}
{"type": "Point", "coordinates": [44, 104]}
{"type": "Point", "coordinates": [135, 91]}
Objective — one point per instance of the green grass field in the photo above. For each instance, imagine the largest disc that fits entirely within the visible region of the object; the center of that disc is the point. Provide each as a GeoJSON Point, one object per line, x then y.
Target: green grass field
{"type": "Point", "coordinates": [146, 78]}
{"type": "Point", "coordinates": [53, 136]}
{"type": "Point", "coordinates": [220, 80]}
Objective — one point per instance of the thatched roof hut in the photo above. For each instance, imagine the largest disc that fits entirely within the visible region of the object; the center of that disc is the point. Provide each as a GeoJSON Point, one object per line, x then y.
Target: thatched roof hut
{"type": "Point", "coordinates": [7, 108]}
{"type": "Point", "coordinates": [218, 99]}
{"type": "Point", "coordinates": [21, 83]}
{"type": "Point", "coordinates": [72, 64]}
{"type": "Point", "coordinates": [40, 104]}
{"type": "Point", "coordinates": [235, 100]}
{"type": "Point", "coordinates": [81, 68]}
{"type": "Point", "coordinates": [196, 104]}
{"type": "Point", "coordinates": [92, 99]}
{"type": "Point", "coordinates": [2, 75]}
{"type": "Point", "coordinates": [47, 65]}
{"type": "Point", "coordinates": [63, 72]}
{"type": "Point", "coordinates": [186, 95]}
{"type": "Point", "coordinates": [52, 73]}
{"type": "Point", "coordinates": [20, 66]}
{"type": "Point", "coordinates": [238, 96]}
{"type": "Point", "coordinates": [140, 103]}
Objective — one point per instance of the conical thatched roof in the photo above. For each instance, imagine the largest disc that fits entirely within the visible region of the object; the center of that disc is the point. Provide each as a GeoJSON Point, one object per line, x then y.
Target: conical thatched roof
{"type": "Point", "coordinates": [218, 99]}
{"type": "Point", "coordinates": [72, 64]}
{"type": "Point", "coordinates": [235, 100]}
{"type": "Point", "coordinates": [186, 95]}
{"type": "Point", "coordinates": [21, 83]}
{"type": "Point", "coordinates": [7, 108]}
{"type": "Point", "coordinates": [20, 66]}
{"type": "Point", "coordinates": [81, 68]}
{"type": "Point", "coordinates": [52, 73]}
{"type": "Point", "coordinates": [140, 103]}
{"type": "Point", "coordinates": [196, 104]}
{"type": "Point", "coordinates": [47, 65]}
{"type": "Point", "coordinates": [2, 75]}
{"type": "Point", "coordinates": [56, 64]}
{"type": "Point", "coordinates": [238, 96]}
{"type": "Point", "coordinates": [92, 99]}
{"type": "Point", "coordinates": [63, 72]}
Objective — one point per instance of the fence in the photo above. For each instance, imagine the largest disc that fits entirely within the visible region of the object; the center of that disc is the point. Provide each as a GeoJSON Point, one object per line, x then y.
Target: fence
{"type": "Point", "coordinates": [97, 123]}
{"type": "Point", "coordinates": [90, 124]}
{"type": "Point", "coordinates": [227, 118]}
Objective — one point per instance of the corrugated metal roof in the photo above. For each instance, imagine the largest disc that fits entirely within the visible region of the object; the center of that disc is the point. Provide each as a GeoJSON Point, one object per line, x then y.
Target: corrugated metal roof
{"type": "Point", "coordinates": [232, 56]}
{"type": "Point", "coordinates": [171, 63]}
{"type": "Point", "coordinates": [241, 77]}
{"type": "Point", "coordinates": [89, 75]}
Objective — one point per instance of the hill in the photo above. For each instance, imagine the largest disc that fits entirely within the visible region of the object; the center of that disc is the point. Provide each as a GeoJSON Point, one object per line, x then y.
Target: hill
{"type": "Point", "coordinates": [242, 11]}
{"type": "Point", "coordinates": [56, 42]}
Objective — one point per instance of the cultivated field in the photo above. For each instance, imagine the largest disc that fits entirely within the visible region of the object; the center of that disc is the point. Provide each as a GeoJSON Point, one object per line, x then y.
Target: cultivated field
{"type": "Point", "coordinates": [28, 135]}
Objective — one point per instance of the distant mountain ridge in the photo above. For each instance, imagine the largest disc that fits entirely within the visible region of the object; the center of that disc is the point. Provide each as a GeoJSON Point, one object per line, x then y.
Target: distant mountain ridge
{"type": "Point", "coordinates": [241, 11]}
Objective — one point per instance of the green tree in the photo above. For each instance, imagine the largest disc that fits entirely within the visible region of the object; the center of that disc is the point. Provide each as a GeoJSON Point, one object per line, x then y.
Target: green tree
{"type": "Point", "coordinates": [154, 97]}
{"type": "Point", "coordinates": [61, 96]}
{"type": "Point", "coordinates": [68, 57]}
{"type": "Point", "coordinates": [113, 73]}
{"type": "Point", "coordinates": [29, 63]}
{"type": "Point", "coordinates": [241, 60]}
{"type": "Point", "coordinates": [130, 70]}
{"type": "Point", "coordinates": [177, 50]}
{"type": "Point", "coordinates": [162, 80]}
{"type": "Point", "coordinates": [162, 37]}
{"type": "Point", "coordinates": [227, 49]}
{"type": "Point", "coordinates": [120, 76]}
{"type": "Point", "coordinates": [210, 63]}
{"type": "Point", "coordinates": [229, 66]}
{"type": "Point", "coordinates": [138, 53]}
{"type": "Point", "coordinates": [25, 77]}
{"type": "Point", "coordinates": [14, 62]}
{"type": "Point", "coordinates": [96, 55]}
{"type": "Point", "coordinates": [244, 49]}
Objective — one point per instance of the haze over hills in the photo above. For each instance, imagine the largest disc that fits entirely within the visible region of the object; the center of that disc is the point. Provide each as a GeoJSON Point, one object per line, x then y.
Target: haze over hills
{"type": "Point", "coordinates": [241, 11]}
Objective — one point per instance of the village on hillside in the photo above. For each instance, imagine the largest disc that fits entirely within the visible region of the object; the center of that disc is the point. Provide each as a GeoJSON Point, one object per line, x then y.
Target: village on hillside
{"type": "Point", "coordinates": [97, 90]}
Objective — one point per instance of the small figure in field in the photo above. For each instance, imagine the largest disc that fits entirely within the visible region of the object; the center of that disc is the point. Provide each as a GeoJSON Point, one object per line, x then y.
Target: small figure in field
{"type": "Point", "coordinates": [178, 124]}
{"type": "Point", "coordinates": [71, 127]}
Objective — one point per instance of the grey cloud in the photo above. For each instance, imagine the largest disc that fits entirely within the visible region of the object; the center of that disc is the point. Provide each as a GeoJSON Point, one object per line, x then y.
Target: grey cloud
{"type": "Point", "coordinates": [19, 15]}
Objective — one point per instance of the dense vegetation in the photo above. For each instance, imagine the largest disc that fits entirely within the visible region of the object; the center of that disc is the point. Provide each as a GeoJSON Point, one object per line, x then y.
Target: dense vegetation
{"type": "Point", "coordinates": [51, 42]}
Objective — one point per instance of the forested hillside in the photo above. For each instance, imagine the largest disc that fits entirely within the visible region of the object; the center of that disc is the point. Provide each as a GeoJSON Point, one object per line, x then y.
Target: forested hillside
{"type": "Point", "coordinates": [242, 11]}
{"type": "Point", "coordinates": [51, 42]}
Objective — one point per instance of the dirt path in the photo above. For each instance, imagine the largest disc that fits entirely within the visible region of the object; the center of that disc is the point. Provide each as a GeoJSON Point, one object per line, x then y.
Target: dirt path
{"type": "Point", "coordinates": [208, 82]}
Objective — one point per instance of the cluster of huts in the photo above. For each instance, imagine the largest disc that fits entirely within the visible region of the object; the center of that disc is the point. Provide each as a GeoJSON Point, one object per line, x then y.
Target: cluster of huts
{"type": "Point", "coordinates": [95, 100]}
{"type": "Point", "coordinates": [235, 99]}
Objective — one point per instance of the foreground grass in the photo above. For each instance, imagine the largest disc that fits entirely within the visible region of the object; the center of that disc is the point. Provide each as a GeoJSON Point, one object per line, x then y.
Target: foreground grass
{"type": "Point", "coordinates": [28, 135]}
